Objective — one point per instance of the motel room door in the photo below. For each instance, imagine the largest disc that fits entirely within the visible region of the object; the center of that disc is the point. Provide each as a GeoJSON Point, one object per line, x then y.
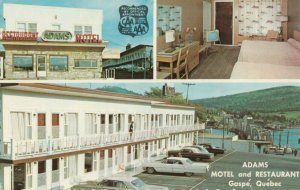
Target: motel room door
{"type": "Point", "coordinates": [41, 66]}
{"type": "Point", "coordinates": [224, 21]}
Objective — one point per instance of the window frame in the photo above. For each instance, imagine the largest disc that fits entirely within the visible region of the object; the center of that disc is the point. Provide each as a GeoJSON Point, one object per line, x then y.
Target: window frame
{"type": "Point", "coordinates": [27, 29]}
{"type": "Point", "coordinates": [13, 62]}
{"type": "Point", "coordinates": [50, 67]}
{"type": "Point", "coordinates": [92, 67]}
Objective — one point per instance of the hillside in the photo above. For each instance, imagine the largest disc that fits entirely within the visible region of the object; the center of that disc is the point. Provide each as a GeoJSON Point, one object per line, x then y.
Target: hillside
{"type": "Point", "coordinates": [279, 99]}
{"type": "Point", "coordinates": [118, 90]}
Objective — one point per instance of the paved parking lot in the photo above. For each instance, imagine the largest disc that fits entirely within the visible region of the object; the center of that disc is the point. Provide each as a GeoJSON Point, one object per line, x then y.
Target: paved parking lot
{"type": "Point", "coordinates": [179, 181]}
{"type": "Point", "coordinates": [231, 161]}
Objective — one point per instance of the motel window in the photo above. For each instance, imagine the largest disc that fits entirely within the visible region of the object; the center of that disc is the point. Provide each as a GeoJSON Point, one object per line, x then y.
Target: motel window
{"type": "Point", "coordinates": [78, 30]}
{"type": "Point", "coordinates": [32, 27]}
{"type": "Point", "coordinates": [56, 27]}
{"type": "Point", "coordinates": [41, 167]}
{"type": "Point", "coordinates": [85, 63]}
{"type": "Point", "coordinates": [55, 119]}
{"type": "Point", "coordinates": [23, 63]}
{"type": "Point", "coordinates": [58, 63]}
{"type": "Point", "coordinates": [41, 119]}
{"type": "Point", "coordinates": [55, 164]}
{"type": "Point", "coordinates": [88, 162]}
{"type": "Point", "coordinates": [21, 27]}
{"type": "Point", "coordinates": [88, 30]}
{"type": "Point", "coordinates": [110, 119]}
{"type": "Point", "coordinates": [102, 119]}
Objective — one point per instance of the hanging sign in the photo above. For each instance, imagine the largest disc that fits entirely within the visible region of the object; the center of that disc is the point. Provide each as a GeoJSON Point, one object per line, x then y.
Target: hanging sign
{"type": "Point", "coordinates": [133, 20]}
{"type": "Point", "coordinates": [19, 36]}
{"type": "Point", "coordinates": [57, 36]}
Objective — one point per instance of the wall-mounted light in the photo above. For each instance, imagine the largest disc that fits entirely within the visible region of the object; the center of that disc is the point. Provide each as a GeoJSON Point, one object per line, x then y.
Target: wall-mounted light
{"type": "Point", "coordinates": [34, 114]}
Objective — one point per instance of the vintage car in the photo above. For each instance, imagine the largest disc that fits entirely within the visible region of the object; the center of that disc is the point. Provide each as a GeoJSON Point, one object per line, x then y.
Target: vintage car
{"type": "Point", "coordinates": [176, 165]}
{"type": "Point", "coordinates": [195, 152]}
{"type": "Point", "coordinates": [117, 183]}
{"type": "Point", "coordinates": [212, 149]}
{"type": "Point", "coordinates": [273, 150]}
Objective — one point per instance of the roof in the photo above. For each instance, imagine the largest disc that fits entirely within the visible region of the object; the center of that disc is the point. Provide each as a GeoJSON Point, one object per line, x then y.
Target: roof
{"type": "Point", "coordinates": [83, 92]}
{"type": "Point", "coordinates": [134, 49]}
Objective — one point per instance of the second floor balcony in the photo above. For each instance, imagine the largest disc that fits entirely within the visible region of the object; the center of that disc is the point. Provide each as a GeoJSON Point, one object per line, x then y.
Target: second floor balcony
{"type": "Point", "coordinates": [22, 149]}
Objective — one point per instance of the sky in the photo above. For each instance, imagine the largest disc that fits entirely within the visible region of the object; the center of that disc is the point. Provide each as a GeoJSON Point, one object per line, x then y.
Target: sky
{"type": "Point", "coordinates": [111, 17]}
{"type": "Point", "coordinates": [198, 91]}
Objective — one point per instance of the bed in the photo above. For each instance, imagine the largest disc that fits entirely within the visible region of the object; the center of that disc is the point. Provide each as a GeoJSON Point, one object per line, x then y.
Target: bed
{"type": "Point", "coordinates": [269, 60]}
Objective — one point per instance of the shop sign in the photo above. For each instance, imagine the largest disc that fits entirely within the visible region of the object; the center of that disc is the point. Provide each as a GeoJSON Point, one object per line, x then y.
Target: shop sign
{"type": "Point", "coordinates": [57, 36]}
{"type": "Point", "coordinates": [133, 20]}
{"type": "Point", "coordinates": [88, 38]}
{"type": "Point", "coordinates": [19, 36]}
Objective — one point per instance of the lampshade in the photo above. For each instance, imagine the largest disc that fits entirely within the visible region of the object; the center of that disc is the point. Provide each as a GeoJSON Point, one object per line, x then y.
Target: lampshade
{"type": "Point", "coordinates": [282, 18]}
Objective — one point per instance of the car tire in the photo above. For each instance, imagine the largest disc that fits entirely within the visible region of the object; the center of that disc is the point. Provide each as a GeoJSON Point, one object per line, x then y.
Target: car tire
{"type": "Point", "coordinates": [198, 159]}
{"type": "Point", "coordinates": [150, 170]}
{"type": "Point", "coordinates": [188, 174]}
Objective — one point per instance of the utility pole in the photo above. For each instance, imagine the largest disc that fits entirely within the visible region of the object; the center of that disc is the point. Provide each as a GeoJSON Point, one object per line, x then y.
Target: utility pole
{"type": "Point", "coordinates": [187, 90]}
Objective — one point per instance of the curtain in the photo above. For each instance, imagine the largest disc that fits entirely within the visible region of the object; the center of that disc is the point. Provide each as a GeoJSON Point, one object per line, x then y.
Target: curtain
{"type": "Point", "coordinates": [72, 165]}
{"type": "Point", "coordinates": [257, 17]}
{"type": "Point", "coordinates": [18, 125]}
{"type": "Point", "coordinates": [89, 123]}
{"type": "Point", "coordinates": [72, 125]}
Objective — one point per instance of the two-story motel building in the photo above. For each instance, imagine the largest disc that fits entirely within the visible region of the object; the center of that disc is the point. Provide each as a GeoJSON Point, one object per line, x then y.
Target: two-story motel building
{"type": "Point", "coordinates": [53, 137]}
{"type": "Point", "coordinates": [44, 42]}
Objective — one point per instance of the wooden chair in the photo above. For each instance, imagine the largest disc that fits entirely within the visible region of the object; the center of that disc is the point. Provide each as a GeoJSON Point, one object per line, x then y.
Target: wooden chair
{"type": "Point", "coordinates": [182, 64]}
{"type": "Point", "coordinates": [179, 67]}
{"type": "Point", "coordinates": [272, 35]}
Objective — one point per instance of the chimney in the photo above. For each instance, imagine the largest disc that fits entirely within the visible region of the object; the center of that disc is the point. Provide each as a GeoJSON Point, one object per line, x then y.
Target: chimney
{"type": "Point", "coordinates": [128, 46]}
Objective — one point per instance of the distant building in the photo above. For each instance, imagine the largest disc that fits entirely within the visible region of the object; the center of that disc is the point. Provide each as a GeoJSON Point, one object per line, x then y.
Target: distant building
{"type": "Point", "coordinates": [136, 58]}
{"type": "Point", "coordinates": [43, 42]}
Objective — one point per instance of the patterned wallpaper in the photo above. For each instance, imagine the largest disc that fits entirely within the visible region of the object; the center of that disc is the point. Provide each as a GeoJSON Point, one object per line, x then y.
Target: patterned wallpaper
{"type": "Point", "coordinates": [256, 17]}
{"type": "Point", "coordinates": [168, 17]}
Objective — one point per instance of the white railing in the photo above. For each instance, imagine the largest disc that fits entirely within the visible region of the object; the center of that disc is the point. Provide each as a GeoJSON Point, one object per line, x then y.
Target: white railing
{"type": "Point", "coordinates": [18, 149]}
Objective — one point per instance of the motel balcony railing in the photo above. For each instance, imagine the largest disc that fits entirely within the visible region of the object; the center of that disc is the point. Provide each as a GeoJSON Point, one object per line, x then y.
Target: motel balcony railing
{"type": "Point", "coordinates": [25, 148]}
{"type": "Point", "coordinates": [16, 149]}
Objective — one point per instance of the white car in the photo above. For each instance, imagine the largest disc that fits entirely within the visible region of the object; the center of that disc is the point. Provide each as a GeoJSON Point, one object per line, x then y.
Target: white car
{"type": "Point", "coordinates": [118, 183]}
{"type": "Point", "coordinates": [176, 165]}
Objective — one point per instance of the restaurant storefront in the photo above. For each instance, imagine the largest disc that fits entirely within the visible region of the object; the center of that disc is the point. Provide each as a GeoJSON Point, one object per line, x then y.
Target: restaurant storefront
{"type": "Point", "coordinates": [55, 57]}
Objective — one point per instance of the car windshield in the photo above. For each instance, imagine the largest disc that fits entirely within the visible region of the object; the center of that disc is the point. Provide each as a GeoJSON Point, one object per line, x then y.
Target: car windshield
{"type": "Point", "coordinates": [188, 161]}
{"type": "Point", "coordinates": [138, 183]}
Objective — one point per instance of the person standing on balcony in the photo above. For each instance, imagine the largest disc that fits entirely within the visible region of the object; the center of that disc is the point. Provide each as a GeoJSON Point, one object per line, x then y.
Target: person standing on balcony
{"type": "Point", "coordinates": [131, 129]}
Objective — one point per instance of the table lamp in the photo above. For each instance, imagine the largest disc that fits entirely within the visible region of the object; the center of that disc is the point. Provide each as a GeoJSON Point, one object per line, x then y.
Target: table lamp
{"type": "Point", "coordinates": [281, 18]}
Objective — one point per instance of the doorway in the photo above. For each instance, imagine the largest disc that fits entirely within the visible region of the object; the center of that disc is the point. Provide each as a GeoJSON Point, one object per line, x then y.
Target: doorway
{"type": "Point", "coordinates": [41, 66]}
{"type": "Point", "coordinates": [224, 21]}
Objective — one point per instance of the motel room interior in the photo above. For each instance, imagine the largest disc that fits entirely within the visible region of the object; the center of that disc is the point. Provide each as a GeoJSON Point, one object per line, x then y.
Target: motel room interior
{"type": "Point", "coordinates": [228, 39]}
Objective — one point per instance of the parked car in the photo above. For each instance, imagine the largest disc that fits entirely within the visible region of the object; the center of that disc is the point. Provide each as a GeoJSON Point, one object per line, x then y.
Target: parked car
{"type": "Point", "coordinates": [176, 165]}
{"type": "Point", "coordinates": [117, 183]}
{"type": "Point", "coordinates": [193, 153]}
{"type": "Point", "coordinates": [273, 150]}
{"type": "Point", "coordinates": [212, 149]}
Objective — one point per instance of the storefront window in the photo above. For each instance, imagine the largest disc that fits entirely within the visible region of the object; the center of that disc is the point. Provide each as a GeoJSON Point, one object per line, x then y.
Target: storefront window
{"type": "Point", "coordinates": [85, 63]}
{"type": "Point", "coordinates": [23, 62]}
{"type": "Point", "coordinates": [58, 63]}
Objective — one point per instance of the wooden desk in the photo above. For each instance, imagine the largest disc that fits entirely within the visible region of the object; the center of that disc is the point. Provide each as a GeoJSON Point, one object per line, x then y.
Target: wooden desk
{"type": "Point", "coordinates": [170, 58]}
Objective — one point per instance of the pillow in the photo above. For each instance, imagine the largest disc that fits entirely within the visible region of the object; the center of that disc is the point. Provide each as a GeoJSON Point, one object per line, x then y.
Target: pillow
{"type": "Point", "coordinates": [294, 43]}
